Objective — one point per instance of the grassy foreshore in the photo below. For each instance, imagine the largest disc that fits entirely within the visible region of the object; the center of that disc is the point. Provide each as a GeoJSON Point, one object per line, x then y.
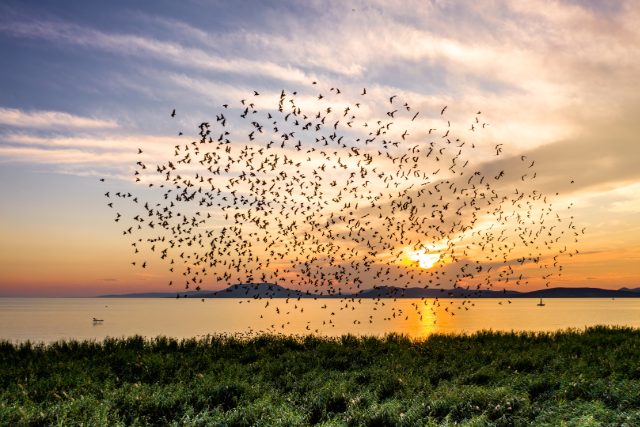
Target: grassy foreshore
{"type": "Point", "coordinates": [573, 378]}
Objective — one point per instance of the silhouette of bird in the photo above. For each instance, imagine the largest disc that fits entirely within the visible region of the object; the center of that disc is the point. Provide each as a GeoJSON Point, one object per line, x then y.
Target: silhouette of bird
{"type": "Point", "coordinates": [335, 214]}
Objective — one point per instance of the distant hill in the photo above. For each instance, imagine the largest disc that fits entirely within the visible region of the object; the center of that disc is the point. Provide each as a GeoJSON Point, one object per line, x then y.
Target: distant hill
{"type": "Point", "coordinates": [154, 294]}
{"type": "Point", "coordinates": [579, 293]}
{"type": "Point", "coordinates": [462, 293]}
{"type": "Point", "coordinates": [257, 290]}
{"type": "Point", "coordinates": [630, 290]}
{"type": "Point", "coordinates": [386, 292]}
{"type": "Point", "coordinates": [269, 290]}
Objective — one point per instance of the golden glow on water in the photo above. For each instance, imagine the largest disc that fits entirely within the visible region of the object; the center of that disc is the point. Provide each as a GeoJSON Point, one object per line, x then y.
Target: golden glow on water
{"type": "Point", "coordinates": [52, 319]}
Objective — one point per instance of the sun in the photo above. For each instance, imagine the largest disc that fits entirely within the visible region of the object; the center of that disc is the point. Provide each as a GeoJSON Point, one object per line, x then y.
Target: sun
{"type": "Point", "coordinates": [425, 260]}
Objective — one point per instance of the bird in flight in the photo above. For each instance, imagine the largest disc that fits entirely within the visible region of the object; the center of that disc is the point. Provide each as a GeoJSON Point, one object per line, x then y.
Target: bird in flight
{"type": "Point", "coordinates": [351, 213]}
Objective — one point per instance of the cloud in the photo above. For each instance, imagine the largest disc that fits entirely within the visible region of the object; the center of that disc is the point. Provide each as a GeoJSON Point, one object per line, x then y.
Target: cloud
{"type": "Point", "coordinates": [110, 280]}
{"type": "Point", "coordinates": [137, 46]}
{"type": "Point", "coordinates": [119, 153]}
{"type": "Point", "coordinates": [629, 206]}
{"type": "Point", "coordinates": [631, 199]}
{"type": "Point", "coordinates": [49, 119]}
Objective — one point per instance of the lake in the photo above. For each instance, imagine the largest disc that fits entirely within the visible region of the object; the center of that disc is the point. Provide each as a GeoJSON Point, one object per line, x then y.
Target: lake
{"type": "Point", "coordinates": [52, 319]}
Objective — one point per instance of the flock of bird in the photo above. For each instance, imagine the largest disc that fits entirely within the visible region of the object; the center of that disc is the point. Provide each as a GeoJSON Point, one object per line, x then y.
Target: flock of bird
{"type": "Point", "coordinates": [324, 202]}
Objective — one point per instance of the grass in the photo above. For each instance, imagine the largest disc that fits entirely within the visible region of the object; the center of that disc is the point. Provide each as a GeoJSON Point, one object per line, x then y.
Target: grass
{"type": "Point", "coordinates": [569, 378]}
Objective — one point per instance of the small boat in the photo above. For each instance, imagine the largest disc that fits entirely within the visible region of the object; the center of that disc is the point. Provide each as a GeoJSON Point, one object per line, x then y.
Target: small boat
{"type": "Point", "coordinates": [97, 320]}
{"type": "Point", "coordinates": [541, 303]}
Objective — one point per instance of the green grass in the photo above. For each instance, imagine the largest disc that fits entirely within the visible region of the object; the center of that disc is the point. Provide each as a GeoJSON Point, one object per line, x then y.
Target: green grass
{"type": "Point", "coordinates": [570, 378]}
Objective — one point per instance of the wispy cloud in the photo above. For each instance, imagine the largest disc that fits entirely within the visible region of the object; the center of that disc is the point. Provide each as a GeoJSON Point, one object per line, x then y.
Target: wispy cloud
{"type": "Point", "coordinates": [132, 45]}
{"type": "Point", "coordinates": [50, 119]}
{"type": "Point", "coordinates": [630, 202]}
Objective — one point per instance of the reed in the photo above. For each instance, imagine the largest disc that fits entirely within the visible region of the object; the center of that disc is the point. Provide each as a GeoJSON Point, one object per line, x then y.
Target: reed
{"type": "Point", "coordinates": [570, 377]}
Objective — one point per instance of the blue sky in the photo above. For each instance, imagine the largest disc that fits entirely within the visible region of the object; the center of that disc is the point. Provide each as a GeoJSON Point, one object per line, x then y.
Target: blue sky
{"type": "Point", "coordinates": [84, 84]}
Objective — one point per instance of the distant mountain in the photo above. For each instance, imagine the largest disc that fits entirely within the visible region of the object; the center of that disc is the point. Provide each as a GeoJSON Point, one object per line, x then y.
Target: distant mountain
{"type": "Point", "coordinates": [387, 292]}
{"type": "Point", "coordinates": [630, 290]}
{"type": "Point", "coordinates": [462, 293]}
{"type": "Point", "coordinates": [268, 290]}
{"type": "Point", "coordinates": [154, 294]}
{"type": "Point", "coordinates": [257, 290]}
{"type": "Point", "coordinates": [579, 293]}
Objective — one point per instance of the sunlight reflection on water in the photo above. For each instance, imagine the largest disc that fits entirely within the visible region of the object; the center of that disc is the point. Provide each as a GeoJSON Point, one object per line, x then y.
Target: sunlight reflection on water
{"type": "Point", "coordinates": [51, 319]}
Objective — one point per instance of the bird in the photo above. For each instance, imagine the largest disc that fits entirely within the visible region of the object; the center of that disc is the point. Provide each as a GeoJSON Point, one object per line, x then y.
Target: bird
{"type": "Point", "coordinates": [174, 113]}
{"type": "Point", "coordinates": [328, 210]}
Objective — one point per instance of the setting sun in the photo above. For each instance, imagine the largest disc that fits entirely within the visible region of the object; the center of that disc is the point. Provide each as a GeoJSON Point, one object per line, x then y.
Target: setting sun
{"type": "Point", "coordinates": [425, 260]}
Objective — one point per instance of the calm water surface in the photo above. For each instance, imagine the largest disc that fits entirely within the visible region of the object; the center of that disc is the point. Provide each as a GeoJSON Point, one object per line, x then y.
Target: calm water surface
{"type": "Point", "coordinates": [52, 319]}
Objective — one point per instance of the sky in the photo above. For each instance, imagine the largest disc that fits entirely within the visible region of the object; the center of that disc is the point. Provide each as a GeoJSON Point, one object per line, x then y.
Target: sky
{"type": "Point", "coordinates": [84, 85]}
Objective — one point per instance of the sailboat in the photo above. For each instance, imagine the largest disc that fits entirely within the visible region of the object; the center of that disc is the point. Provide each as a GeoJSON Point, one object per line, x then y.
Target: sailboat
{"type": "Point", "coordinates": [541, 303]}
